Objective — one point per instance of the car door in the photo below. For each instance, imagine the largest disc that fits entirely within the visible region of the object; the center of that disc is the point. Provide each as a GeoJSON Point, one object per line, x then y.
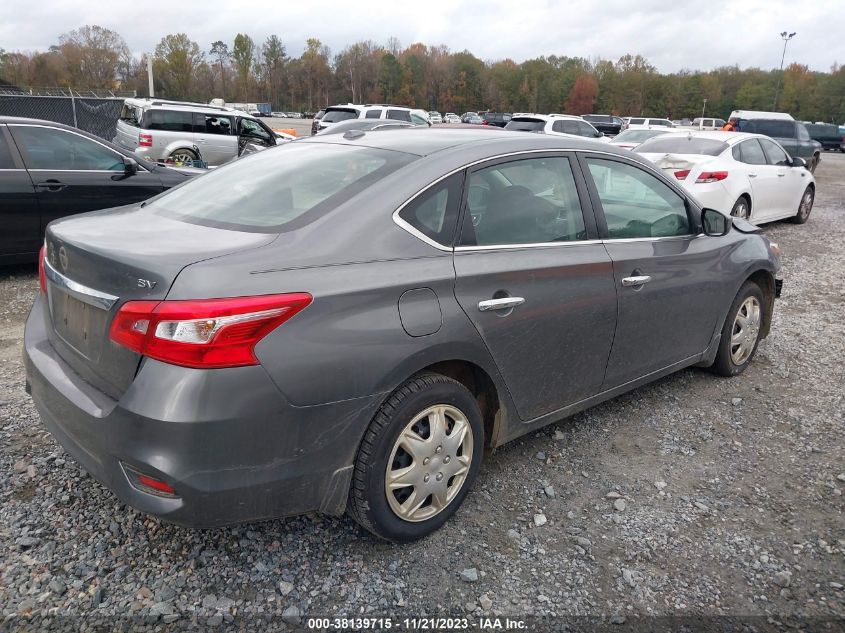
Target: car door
{"type": "Point", "coordinates": [791, 181]}
{"type": "Point", "coordinates": [534, 281]}
{"type": "Point", "coordinates": [215, 136]}
{"type": "Point", "coordinates": [73, 173]}
{"type": "Point", "coordinates": [763, 177]}
{"type": "Point", "coordinates": [666, 275]}
{"type": "Point", "coordinates": [19, 214]}
{"type": "Point", "coordinates": [252, 131]}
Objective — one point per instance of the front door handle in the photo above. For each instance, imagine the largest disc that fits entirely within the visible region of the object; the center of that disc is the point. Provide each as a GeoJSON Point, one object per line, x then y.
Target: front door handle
{"type": "Point", "coordinates": [51, 185]}
{"type": "Point", "coordinates": [752, 175]}
{"type": "Point", "coordinates": [639, 280]}
{"type": "Point", "coordinates": [781, 175]}
{"type": "Point", "coordinates": [505, 303]}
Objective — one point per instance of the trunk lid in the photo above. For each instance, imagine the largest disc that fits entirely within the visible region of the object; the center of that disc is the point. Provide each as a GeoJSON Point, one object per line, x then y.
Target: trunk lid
{"type": "Point", "coordinates": [670, 163]}
{"type": "Point", "coordinates": [97, 261]}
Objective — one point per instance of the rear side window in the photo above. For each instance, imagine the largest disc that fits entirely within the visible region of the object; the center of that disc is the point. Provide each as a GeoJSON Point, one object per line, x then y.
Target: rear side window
{"type": "Point", "coordinates": [682, 144]}
{"type": "Point", "coordinates": [399, 115]}
{"type": "Point", "coordinates": [6, 161]}
{"type": "Point", "coordinates": [526, 125]}
{"type": "Point", "coordinates": [749, 152]}
{"type": "Point", "coordinates": [278, 190]}
{"type": "Point", "coordinates": [213, 124]}
{"type": "Point", "coordinates": [585, 129]}
{"type": "Point", "coordinates": [336, 116]}
{"type": "Point", "coordinates": [528, 201]}
{"type": "Point", "coordinates": [777, 129]}
{"type": "Point", "coordinates": [168, 121]}
{"type": "Point", "coordinates": [373, 114]}
{"type": "Point", "coordinates": [636, 121]}
{"type": "Point", "coordinates": [434, 212]}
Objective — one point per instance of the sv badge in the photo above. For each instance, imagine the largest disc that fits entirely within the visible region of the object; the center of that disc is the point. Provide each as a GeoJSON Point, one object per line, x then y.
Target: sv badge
{"type": "Point", "coordinates": [146, 283]}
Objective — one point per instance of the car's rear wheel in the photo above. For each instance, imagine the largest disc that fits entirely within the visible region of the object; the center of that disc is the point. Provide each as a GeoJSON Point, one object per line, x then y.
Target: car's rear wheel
{"type": "Point", "coordinates": [418, 459]}
{"type": "Point", "coordinates": [183, 155]}
{"type": "Point", "coordinates": [741, 208]}
{"type": "Point", "coordinates": [814, 162]}
{"type": "Point", "coordinates": [741, 331]}
{"type": "Point", "coordinates": [805, 206]}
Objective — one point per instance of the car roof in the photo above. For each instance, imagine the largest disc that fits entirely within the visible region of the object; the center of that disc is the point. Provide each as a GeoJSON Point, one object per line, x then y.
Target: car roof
{"type": "Point", "coordinates": [427, 141]}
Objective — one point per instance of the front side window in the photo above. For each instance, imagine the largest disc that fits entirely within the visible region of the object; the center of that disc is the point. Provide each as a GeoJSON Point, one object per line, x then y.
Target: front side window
{"type": "Point", "coordinates": [6, 161]}
{"type": "Point", "coordinates": [373, 114]}
{"type": "Point", "coordinates": [803, 134]}
{"type": "Point", "coordinates": [585, 129]}
{"type": "Point", "coordinates": [399, 115]}
{"type": "Point", "coordinates": [635, 203]}
{"type": "Point", "coordinates": [278, 190]}
{"type": "Point", "coordinates": [434, 212]}
{"type": "Point", "coordinates": [253, 129]}
{"type": "Point", "coordinates": [54, 149]}
{"type": "Point", "coordinates": [636, 121]}
{"type": "Point", "coordinates": [529, 201]}
{"type": "Point", "coordinates": [168, 121]}
{"type": "Point", "coordinates": [774, 153]}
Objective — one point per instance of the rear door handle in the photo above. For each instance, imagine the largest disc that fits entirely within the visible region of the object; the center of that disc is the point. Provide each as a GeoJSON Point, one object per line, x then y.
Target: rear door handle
{"type": "Point", "coordinates": [639, 280]}
{"type": "Point", "coordinates": [505, 303]}
{"type": "Point", "coordinates": [752, 175]}
{"type": "Point", "coordinates": [781, 175]}
{"type": "Point", "coordinates": [51, 185]}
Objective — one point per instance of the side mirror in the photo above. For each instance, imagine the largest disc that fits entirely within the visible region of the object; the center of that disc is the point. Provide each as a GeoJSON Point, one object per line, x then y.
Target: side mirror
{"type": "Point", "coordinates": [799, 162]}
{"type": "Point", "coordinates": [130, 166]}
{"type": "Point", "coordinates": [715, 224]}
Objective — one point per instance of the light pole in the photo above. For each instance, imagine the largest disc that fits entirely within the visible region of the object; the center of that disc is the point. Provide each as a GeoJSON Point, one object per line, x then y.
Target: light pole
{"type": "Point", "coordinates": [703, 108]}
{"type": "Point", "coordinates": [785, 37]}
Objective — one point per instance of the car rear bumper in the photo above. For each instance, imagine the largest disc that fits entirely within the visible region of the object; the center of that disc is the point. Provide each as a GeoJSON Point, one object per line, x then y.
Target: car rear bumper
{"type": "Point", "coordinates": [226, 440]}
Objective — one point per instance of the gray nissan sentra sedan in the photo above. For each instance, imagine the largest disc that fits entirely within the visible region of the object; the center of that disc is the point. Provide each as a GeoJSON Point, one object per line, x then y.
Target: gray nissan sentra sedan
{"type": "Point", "coordinates": [350, 322]}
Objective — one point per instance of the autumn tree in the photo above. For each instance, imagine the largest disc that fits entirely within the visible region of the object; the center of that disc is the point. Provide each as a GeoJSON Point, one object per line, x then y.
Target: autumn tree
{"type": "Point", "coordinates": [243, 56]}
{"type": "Point", "coordinates": [94, 56]}
{"type": "Point", "coordinates": [582, 97]}
{"type": "Point", "coordinates": [177, 60]}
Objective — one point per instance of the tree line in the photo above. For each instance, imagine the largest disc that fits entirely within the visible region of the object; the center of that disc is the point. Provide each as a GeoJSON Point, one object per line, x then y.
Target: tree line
{"type": "Point", "coordinates": [429, 77]}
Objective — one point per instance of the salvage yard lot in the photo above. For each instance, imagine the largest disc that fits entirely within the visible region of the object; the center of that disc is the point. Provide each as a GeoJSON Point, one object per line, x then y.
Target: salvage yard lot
{"type": "Point", "coordinates": [693, 495]}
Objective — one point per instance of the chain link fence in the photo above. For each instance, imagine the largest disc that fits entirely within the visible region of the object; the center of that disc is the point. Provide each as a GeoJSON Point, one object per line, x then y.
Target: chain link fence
{"type": "Point", "coordinates": [93, 114]}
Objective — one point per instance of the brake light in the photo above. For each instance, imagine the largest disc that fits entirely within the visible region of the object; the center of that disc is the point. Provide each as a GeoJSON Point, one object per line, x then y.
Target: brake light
{"type": "Point", "coordinates": [683, 173]}
{"type": "Point", "coordinates": [145, 140]}
{"type": "Point", "coordinates": [711, 176]}
{"type": "Point", "coordinates": [207, 333]}
{"type": "Point", "coordinates": [42, 274]}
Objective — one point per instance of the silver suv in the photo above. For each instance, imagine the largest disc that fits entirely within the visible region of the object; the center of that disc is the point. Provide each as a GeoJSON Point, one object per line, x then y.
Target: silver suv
{"type": "Point", "coordinates": [157, 129]}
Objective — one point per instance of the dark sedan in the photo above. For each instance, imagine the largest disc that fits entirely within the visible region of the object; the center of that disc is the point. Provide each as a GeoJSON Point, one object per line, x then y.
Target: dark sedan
{"type": "Point", "coordinates": [604, 123]}
{"type": "Point", "coordinates": [352, 323]}
{"type": "Point", "coordinates": [49, 170]}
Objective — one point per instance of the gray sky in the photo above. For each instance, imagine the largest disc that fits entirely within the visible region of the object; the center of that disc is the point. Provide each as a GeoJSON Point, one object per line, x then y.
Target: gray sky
{"type": "Point", "coordinates": [672, 34]}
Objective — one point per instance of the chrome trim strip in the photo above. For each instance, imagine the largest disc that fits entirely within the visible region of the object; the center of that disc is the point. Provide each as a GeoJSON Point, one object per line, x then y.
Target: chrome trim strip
{"type": "Point", "coordinates": [497, 247]}
{"type": "Point", "coordinates": [665, 238]}
{"type": "Point", "coordinates": [83, 293]}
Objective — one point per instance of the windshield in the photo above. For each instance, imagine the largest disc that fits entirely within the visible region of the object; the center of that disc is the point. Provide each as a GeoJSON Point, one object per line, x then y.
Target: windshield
{"type": "Point", "coordinates": [333, 116]}
{"type": "Point", "coordinates": [682, 144]}
{"type": "Point", "coordinates": [526, 125]}
{"type": "Point", "coordinates": [279, 189]}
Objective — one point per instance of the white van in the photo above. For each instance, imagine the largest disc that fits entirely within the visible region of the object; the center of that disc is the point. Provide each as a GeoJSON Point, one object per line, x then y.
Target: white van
{"type": "Point", "coordinates": [759, 114]}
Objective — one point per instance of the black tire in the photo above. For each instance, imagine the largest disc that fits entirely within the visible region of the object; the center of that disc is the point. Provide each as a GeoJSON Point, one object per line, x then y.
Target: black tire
{"type": "Point", "coordinates": [368, 503]}
{"type": "Point", "coordinates": [183, 152]}
{"type": "Point", "coordinates": [814, 162]}
{"type": "Point", "coordinates": [725, 364]}
{"type": "Point", "coordinates": [742, 208]}
{"type": "Point", "coordinates": [805, 206]}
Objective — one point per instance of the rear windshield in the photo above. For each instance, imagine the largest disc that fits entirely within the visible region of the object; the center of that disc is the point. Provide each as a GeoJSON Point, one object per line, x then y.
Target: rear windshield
{"type": "Point", "coordinates": [638, 135]}
{"type": "Point", "coordinates": [665, 122]}
{"type": "Point", "coordinates": [280, 189]}
{"type": "Point", "coordinates": [682, 144]}
{"type": "Point", "coordinates": [598, 118]}
{"type": "Point", "coordinates": [636, 121]}
{"type": "Point", "coordinates": [334, 116]}
{"type": "Point", "coordinates": [131, 114]}
{"type": "Point", "coordinates": [526, 125]}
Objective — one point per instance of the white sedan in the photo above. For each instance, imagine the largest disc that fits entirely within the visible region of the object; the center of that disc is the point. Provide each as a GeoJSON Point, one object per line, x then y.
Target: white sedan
{"type": "Point", "coordinates": [629, 139]}
{"type": "Point", "coordinates": [747, 175]}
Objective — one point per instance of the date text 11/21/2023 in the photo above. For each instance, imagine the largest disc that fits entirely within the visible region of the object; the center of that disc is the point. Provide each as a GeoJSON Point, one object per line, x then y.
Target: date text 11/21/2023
{"type": "Point", "coordinates": [415, 624]}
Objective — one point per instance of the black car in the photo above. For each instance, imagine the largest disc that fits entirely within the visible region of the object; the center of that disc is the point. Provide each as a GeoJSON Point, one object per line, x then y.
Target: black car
{"type": "Point", "coordinates": [605, 123]}
{"type": "Point", "coordinates": [49, 170]}
{"type": "Point", "coordinates": [499, 119]}
{"type": "Point", "coordinates": [827, 134]}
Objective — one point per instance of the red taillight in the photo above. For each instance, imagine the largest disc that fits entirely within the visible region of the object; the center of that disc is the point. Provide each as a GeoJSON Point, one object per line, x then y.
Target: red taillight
{"type": "Point", "coordinates": [145, 140]}
{"type": "Point", "coordinates": [208, 333]}
{"type": "Point", "coordinates": [711, 176]}
{"type": "Point", "coordinates": [683, 173]}
{"type": "Point", "coordinates": [42, 275]}
{"type": "Point", "coordinates": [155, 484]}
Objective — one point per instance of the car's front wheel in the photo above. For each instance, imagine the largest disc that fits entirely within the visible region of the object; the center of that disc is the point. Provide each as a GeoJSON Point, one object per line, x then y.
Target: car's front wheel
{"type": "Point", "coordinates": [418, 459]}
{"type": "Point", "coordinates": [805, 206]}
{"type": "Point", "coordinates": [741, 331]}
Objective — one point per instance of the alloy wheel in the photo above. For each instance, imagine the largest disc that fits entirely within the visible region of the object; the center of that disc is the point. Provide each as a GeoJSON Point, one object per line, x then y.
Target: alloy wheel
{"type": "Point", "coordinates": [806, 205]}
{"type": "Point", "coordinates": [429, 463]}
{"type": "Point", "coordinates": [182, 157]}
{"type": "Point", "coordinates": [746, 329]}
{"type": "Point", "coordinates": [740, 209]}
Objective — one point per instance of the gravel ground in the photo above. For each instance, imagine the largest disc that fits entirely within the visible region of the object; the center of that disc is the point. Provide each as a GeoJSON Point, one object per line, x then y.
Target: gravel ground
{"type": "Point", "coordinates": [696, 495]}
